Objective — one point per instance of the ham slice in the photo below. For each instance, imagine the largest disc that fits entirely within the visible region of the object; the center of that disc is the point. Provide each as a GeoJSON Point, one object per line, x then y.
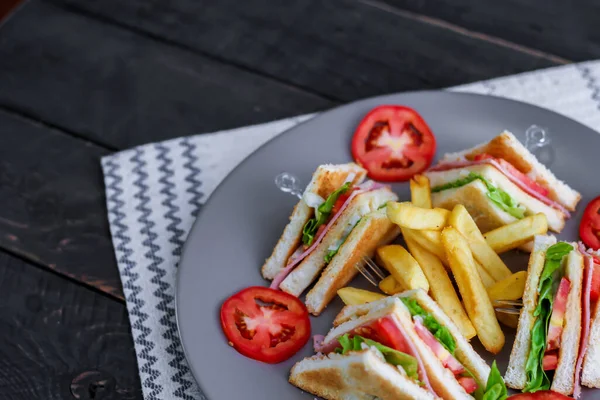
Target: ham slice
{"type": "Point", "coordinates": [413, 352]}
{"type": "Point", "coordinates": [585, 318]}
{"type": "Point", "coordinates": [295, 259]}
{"type": "Point", "coordinates": [466, 163]}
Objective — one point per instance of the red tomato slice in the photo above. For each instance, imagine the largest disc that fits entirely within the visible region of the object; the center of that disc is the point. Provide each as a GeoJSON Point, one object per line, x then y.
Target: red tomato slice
{"type": "Point", "coordinates": [550, 361]}
{"type": "Point", "coordinates": [393, 143]}
{"type": "Point", "coordinates": [541, 395]}
{"type": "Point", "coordinates": [527, 181]}
{"type": "Point", "coordinates": [469, 384]}
{"type": "Point", "coordinates": [385, 332]}
{"type": "Point", "coordinates": [557, 319]}
{"type": "Point", "coordinates": [341, 200]}
{"type": "Point", "coordinates": [265, 324]}
{"type": "Point", "coordinates": [589, 227]}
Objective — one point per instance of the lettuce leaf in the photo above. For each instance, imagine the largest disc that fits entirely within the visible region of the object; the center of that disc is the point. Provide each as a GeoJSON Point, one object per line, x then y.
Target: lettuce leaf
{"type": "Point", "coordinates": [331, 253]}
{"type": "Point", "coordinates": [495, 388]}
{"type": "Point", "coordinates": [394, 357]}
{"type": "Point", "coordinates": [497, 196]}
{"type": "Point", "coordinates": [549, 280]}
{"type": "Point", "coordinates": [322, 215]}
{"type": "Point", "coordinates": [441, 333]}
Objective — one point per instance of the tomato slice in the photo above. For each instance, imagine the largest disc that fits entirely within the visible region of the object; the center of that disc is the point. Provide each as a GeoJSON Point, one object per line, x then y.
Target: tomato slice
{"type": "Point", "coordinates": [541, 395]}
{"type": "Point", "coordinates": [589, 227]}
{"type": "Point", "coordinates": [385, 332]}
{"type": "Point", "coordinates": [527, 181]}
{"type": "Point", "coordinates": [468, 383]}
{"type": "Point", "coordinates": [550, 361]}
{"type": "Point", "coordinates": [265, 324]}
{"type": "Point", "coordinates": [393, 143]}
{"type": "Point", "coordinates": [341, 200]}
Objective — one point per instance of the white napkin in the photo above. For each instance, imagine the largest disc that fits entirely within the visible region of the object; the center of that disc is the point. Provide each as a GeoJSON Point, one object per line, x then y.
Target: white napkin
{"type": "Point", "coordinates": [154, 191]}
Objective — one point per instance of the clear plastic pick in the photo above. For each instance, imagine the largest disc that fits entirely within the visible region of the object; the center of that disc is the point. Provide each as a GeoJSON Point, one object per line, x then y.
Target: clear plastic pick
{"type": "Point", "coordinates": [536, 137]}
{"type": "Point", "coordinates": [288, 183]}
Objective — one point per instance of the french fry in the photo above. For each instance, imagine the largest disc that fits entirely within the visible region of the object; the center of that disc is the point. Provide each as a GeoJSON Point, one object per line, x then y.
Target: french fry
{"type": "Point", "coordinates": [428, 239]}
{"type": "Point", "coordinates": [352, 296]}
{"type": "Point", "coordinates": [511, 288]}
{"type": "Point", "coordinates": [420, 192]}
{"type": "Point", "coordinates": [441, 288]}
{"type": "Point", "coordinates": [402, 266]}
{"type": "Point", "coordinates": [409, 216]}
{"type": "Point", "coordinates": [390, 286]}
{"type": "Point", "coordinates": [510, 320]}
{"type": "Point", "coordinates": [486, 278]}
{"type": "Point", "coordinates": [476, 300]}
{"type": "Point", "coordinates": [518, 233]}
{"type": "Point", "coordinates": [483, 253]}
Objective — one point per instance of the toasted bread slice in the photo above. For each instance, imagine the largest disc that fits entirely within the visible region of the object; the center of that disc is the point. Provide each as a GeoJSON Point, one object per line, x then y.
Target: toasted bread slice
{"type": "Point", "coordinates": [358, 375]}
{"type": "Point", "coordinates": [325, 180]}
{"type": "Point", "coordinates": [515, 376]}
{"type": "Point", "coordinates": [373, 230]}
{"type": "Point", "coordinates": [482, 207]}
{"type": "Point", "coordinates": [590, 375]}
{"type": "Point", "coordinates": [309, 269]}
{"type": "Point", "coordinates": [508, 147]}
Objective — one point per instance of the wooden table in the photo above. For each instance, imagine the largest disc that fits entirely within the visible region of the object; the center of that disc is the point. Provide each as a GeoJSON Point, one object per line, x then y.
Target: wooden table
{"type": "Point", "coordinates": [83, 78]}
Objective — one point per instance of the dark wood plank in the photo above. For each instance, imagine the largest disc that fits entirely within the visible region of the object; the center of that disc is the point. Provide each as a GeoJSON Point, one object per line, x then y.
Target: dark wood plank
{"type": "Point", "coordinates": [342, 49]}
{"type": "Point", "coordinates": [57, 338]}
{"type": "Point", "coordinates": [562, 28]}
{"type": "Point", "coordinates": [120, 88]}
{"type": "Point", "coordinates": [52, 207]}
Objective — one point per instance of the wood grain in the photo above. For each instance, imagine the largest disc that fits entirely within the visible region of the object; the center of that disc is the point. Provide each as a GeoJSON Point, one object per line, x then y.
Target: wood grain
{"type": "Point", "coordinates": [53, 209]}
{"type": "Point", "coordinates": [561, 28]}
{"type": "Point", "coordinates": [121, 89]}
{"type": "Point", "coordinates": [58, 339]}
{"type": "Point", "coordinates": [342, 49]}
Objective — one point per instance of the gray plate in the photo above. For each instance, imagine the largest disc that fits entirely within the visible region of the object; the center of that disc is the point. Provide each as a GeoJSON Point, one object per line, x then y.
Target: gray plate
{"type": "Point", "coordinates": [246, 214]}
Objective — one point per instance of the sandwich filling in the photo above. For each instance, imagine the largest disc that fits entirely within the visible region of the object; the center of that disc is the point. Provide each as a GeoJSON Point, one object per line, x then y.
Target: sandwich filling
{"type": "Point", "coordinates": [389, 334]}
{"type": "Point", "coordinates": [441, 342]}
{"type": "Point", "coordinates": [553, 291]}
{"type": "Point", "coordinates": [499, 197]}
{"type": "Point", "coordinates": [326, 213]}
{"type": "Point", "coordinates": [524, 182]}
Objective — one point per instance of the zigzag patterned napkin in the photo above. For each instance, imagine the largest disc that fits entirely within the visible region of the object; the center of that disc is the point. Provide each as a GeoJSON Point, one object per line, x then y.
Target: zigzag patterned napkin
{"type": "Point", "coordinates": [154, 192]}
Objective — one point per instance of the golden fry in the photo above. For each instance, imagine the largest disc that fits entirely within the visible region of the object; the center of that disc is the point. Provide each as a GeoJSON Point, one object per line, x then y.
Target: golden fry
{"type": "Point", "coordinates": [511, 288]}
{"type": "Point", "coordinates": [483, 253]}
{"type": "Point", "coordinates": [476, 300]}
{"type": "Point", "coordinates": [441, 288]}
{"type": "Point", "coordinates": [409, 216]}
{"type": "Point", "coordinates": [518, 233]}
{"type": "Point", "coordinates": [428, 239]}
{"type": "Point", "coordinates": [352, 296]}
{"type": "Point", "coordinates": [390, 286]}
{"type": "Point", "coordinates": [420, 192]}
{"type": "Point", "coordinates": [486, 278]}
{"type": "Point", "coordinates": [510, 320]}
{"type": "Point", "coordinates": [402, 266]}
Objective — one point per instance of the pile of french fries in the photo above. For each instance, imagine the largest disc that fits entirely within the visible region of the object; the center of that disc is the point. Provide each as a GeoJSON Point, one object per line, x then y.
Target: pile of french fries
{"type": "Point", "coordinates": [445, 244]}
